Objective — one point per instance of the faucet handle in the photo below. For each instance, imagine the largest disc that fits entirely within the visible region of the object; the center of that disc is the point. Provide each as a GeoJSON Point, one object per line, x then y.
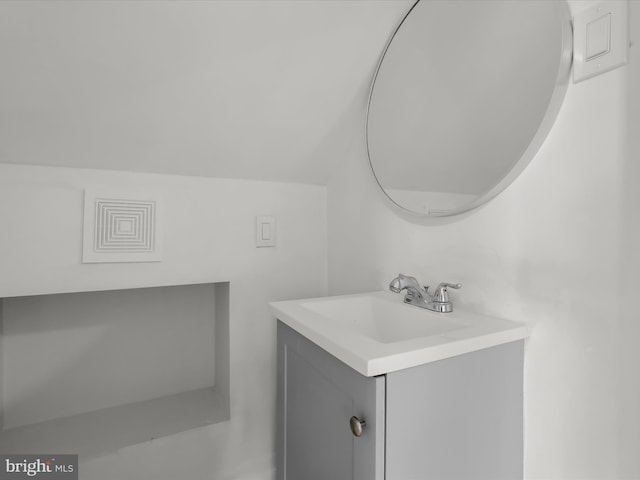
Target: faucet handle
{"type": "Point", "coordinates": [441, 295]}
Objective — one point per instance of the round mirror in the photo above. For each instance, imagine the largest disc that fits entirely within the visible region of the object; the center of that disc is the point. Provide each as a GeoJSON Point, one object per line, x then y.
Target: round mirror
{"type": "Point", "coordinates": [463, 97]}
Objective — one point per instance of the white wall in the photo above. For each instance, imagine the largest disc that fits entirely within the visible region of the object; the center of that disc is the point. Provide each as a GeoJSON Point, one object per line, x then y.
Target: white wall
{"type": "Point", "coordinates": [209, 231]}
{"type": "Point", "coordinates": [629, 278]}
{"type": "Point", "coordinates": [224, 88]}
{"type": "Point", "coordinates": [557, 250]}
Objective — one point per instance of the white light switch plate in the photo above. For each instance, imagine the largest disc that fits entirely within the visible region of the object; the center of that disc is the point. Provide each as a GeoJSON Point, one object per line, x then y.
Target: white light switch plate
{"type": "Point", "coordinates": [265, 231]}
{"type": "Point", "coordinates": [600, 39]}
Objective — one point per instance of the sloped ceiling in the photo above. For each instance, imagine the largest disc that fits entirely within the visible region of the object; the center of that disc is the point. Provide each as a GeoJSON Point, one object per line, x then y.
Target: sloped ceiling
{"type": "Point", "coordinates": [240, 89]}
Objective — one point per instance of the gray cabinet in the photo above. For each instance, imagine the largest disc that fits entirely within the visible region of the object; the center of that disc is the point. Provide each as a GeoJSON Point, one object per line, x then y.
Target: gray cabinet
{"type": "Point", "coordinates": [317, 396]}
{"type": "Point", "coordinates": [459, 418]}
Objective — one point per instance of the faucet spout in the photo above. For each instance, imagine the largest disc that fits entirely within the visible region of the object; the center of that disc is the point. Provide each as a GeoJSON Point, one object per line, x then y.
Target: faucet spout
{"type": "Point", "coordinates": [395, 286]}
{"type": "Point", "coordinates": [405, 282]}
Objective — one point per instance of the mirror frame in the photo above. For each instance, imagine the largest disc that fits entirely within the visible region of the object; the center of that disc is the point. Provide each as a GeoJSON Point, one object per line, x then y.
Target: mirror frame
{"type": "Point", "coordinates": [555, 103]}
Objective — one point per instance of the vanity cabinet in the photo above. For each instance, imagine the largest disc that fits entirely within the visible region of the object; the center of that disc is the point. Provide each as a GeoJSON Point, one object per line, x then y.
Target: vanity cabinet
{"type": "Point", "coordinates": [317, 396]}
{"type": "Point", "coordinates": [457, 418]}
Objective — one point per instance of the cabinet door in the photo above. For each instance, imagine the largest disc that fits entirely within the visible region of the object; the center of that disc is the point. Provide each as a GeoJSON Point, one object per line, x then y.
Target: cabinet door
{"type": "Point", "coordinates": [457, 419]}
{"type": "Point", "coordinates": [317, 396]}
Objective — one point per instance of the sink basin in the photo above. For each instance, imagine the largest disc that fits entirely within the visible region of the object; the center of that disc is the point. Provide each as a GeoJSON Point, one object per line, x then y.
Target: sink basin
{"type": "Point", "coordinates": [376, 333]}
{"type": "Point", "coordinates": [379, 319]}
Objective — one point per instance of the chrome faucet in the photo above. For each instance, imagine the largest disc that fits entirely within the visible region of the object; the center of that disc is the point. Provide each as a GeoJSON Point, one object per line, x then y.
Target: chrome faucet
{"type": "Point", "coordinates": [420, 297]}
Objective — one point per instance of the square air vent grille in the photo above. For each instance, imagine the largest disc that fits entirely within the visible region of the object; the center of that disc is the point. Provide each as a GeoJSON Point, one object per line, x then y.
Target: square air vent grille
{"type": "Point", "coordinates": [121, 228]}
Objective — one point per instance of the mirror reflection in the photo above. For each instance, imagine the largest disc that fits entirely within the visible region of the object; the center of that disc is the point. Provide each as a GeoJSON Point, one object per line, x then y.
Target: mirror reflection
{"type": "Point", "coordinates": [464, 95]}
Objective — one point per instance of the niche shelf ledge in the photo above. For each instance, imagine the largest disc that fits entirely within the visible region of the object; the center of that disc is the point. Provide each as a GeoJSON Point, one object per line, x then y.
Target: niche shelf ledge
{"type": "Point", "coordinates": [109, 429]}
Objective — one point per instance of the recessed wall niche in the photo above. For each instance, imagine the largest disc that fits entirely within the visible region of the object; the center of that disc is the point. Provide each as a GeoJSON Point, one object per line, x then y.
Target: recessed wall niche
{"type": "Point", "coordinates": [92, 372]}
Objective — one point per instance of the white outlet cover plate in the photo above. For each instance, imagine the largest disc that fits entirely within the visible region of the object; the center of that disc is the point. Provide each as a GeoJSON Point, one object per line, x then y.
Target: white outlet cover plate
{"type": "Point", "coordinates": [600, 39]}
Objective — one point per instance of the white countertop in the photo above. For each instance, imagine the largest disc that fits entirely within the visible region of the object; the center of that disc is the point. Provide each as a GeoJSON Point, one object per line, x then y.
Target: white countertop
{"type": "Point", "coordinates": [376, 333]}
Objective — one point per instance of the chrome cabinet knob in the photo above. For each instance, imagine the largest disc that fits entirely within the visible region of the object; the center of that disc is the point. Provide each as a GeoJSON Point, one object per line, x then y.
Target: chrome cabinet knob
{"type": "Point", "coordinates": [357, 426]}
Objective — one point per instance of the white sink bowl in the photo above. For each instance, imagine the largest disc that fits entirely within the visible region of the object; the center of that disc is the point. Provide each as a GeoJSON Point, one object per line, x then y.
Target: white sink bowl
{"type": "Point", "coordinates": [376, 333]}
{"type": "Point", "coordinates": [379, 319]}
